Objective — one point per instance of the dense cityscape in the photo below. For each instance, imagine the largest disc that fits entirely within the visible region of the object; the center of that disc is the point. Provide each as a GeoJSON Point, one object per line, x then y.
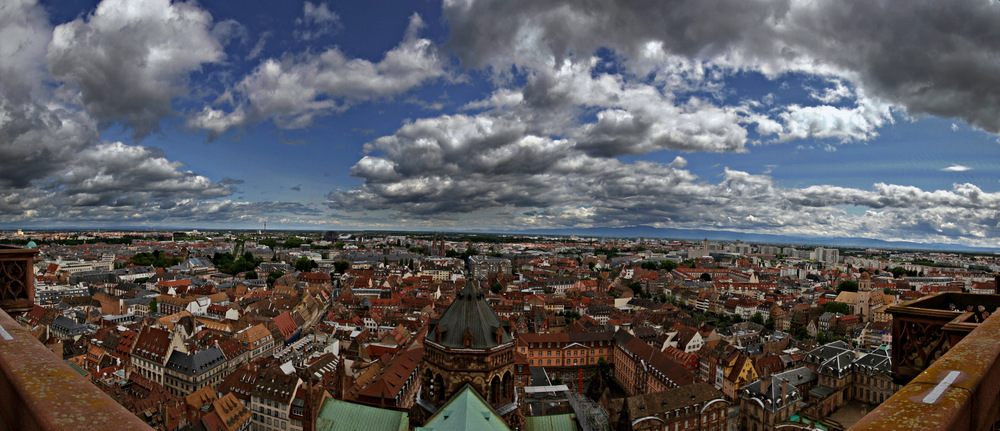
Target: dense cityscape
{"type": "Point", "coordinates": [238, 330]}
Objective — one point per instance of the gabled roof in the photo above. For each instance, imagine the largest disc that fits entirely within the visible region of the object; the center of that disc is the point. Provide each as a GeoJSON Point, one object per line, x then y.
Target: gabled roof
{"type": "Point", "coordinates": [466, 410]}
{"type": "Point", "coordinates": [286, 325]}
{"type": "Point", "coordinates": [201, 397]}
{"type": "Point", "coordinates": [394, 376]}
{"type": "Point", "coordinates": [152, 344]}
{"type": "Point", "coordinates": [231, 411]}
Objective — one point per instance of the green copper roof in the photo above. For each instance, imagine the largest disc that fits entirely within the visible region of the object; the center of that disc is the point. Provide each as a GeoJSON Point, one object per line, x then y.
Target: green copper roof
{"type": "Point", "coordinates": [466, 410]}
{"type": "Point", "coordinates": [471, 313]}
{"type": "Point", "coordinates": [336, 415]}
{"type": "Point", "coordinates": [566, 422]}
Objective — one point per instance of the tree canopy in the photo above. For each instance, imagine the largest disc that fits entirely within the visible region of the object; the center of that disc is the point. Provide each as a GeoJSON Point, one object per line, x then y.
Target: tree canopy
{"type": "Point", "coordinates": [155, 259]}
{"type": "Point", "coordinates": [847, 286]}
{"type": "Point", "coordinates": [305, 264]}
{"type": "Point", "coordinates": [837, 307]}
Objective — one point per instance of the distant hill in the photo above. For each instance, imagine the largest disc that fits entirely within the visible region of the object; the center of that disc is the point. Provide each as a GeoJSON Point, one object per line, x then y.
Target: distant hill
{"type": "Point", "coordinates": [721, 235]}
{"type": "Point", "coordinates": [628, 232]}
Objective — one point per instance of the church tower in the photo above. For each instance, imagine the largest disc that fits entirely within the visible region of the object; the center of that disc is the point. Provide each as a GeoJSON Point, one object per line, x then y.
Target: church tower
{"type": "Point", "coordinates": [865, 282]}
{"type": "Point", "coordinates": [469, 344]}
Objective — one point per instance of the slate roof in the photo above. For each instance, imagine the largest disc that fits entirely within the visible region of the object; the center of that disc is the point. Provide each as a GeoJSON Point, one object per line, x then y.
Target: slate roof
{"type": "Point", "coordinates": [769, 391]}
{"type": "Point", "coordinates": [275, 385]}
{"type": "Point", "coordinates": [798, 376]}
{"type": "Point", "coordinates": [875, 362]}
{"type": "Point", "coordinates": [834, 359]}
{"type": "Point", "coordinates": [469, 312]}
{"type": "Point", "coordinates": [197, 363]}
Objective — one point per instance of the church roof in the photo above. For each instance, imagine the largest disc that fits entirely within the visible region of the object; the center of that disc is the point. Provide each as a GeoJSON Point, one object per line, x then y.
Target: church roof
{"type": "Point", "coordinates": [466, 410]}
{"type": "Point", "coordinates": [469, 313]}
{"type": "Point", "coordinates": [336, 415]}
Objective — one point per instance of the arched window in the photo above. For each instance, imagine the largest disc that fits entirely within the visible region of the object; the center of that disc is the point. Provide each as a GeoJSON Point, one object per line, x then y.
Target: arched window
{"type": "Point", "coordinates": [495, 390]}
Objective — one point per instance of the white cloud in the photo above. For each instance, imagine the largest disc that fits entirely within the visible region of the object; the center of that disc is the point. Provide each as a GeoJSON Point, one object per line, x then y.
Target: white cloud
{"type": "Point", "coordinates": [295, 90]}
{"type": "Point", "coordinates": [317, 20]}
{"type": "Point", "coordinates": [859, 123]}
{"type": "Point", "coordinates": [829, 95]}
{"type": "Point", "coordinates": [130, 59]}
{"type": "Point", "coordinates": [956, 168]}
{"type": "Point", "coordinates": [54, 168]}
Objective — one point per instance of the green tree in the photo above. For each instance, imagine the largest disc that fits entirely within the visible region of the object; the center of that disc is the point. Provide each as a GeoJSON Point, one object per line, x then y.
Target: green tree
{"type": "Point", "coordinates": [769, 323]}
{"type": "Point", "coordinates": [668, 265]}
{"type": "Point", "coordinates": [802, 333]}
{"type": "Point", "coordinates": [757, 318]}
{"type": "Point", "coordinates": [635, 286]}
{"type": "Point", "coordinates": [847, 286]}
{"type": "Point", "coordinates": [269, 242]}
{"type": "Point", "coordinates": [293, 242]}
{"type": "Point", "coordinates": [251, 275]}
{"type": "Point", "coordinates": [303, 264]}
{"type": "Point", "coordinates": [497, 288]}
{"type": "Point", "coordinates": [898, 272]}
{"type": "Point", "coordinates": [274, 276]}
{"type": "Point", "coordinates": [341, 266]}
{"type": "Point", "coordinates": [152, 306]}
{"type": "Point", "coordinates": [821, 337]}
{"type": "Point", "coordinates": [571, 316]}
{"type": "Point", "coordinates": [837, 307]}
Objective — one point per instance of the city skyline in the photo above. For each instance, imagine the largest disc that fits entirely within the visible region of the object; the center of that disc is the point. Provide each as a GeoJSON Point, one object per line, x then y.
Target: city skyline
{"type": "Point", "coordinates": [804, 119]}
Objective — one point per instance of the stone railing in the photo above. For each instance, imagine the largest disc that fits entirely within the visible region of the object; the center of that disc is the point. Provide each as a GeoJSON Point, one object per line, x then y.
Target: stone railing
{"type": "Point", "coordinates": [959, 390]}
{"type": "Point", "coordinates": [923, 330]}
{"type": "Point", "coordinates": [38, 391]}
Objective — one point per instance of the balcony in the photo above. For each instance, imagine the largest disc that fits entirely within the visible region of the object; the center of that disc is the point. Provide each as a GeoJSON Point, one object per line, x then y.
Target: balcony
{"type": "Point", "coordinates": [923, 330]}
{"type": "Point", "coordinates": [38, 391]}
{"type": "Point", "coordinates": [17, 284]}
{"type": "Point", "coordinates": [959, 389]}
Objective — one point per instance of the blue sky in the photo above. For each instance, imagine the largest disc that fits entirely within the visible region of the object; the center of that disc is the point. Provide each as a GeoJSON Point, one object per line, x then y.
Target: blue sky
{"type": "Point", "coordinates": [783, 117]}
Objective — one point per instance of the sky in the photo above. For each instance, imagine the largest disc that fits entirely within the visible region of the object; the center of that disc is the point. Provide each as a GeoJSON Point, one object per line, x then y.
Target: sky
{"type": "Point", "coordinates": [852, 118]}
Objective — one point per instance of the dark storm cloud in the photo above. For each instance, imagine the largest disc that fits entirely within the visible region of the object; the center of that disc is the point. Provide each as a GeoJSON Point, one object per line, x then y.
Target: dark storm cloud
{"type": "Point", "coordinates": [929, 57]}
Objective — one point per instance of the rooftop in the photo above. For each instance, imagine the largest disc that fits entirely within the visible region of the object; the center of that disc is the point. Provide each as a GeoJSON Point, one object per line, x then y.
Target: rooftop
{"type": "Point", "coordinates": [470, 314]}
